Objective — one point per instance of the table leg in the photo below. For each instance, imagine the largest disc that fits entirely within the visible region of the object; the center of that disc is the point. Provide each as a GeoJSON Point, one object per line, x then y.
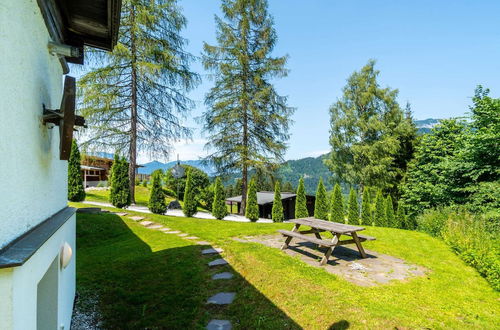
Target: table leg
{"type": "Point", "coordinates": [318, 236]}
{"type": "Point", "coordinates": [289, 238]}
{"type": "Point", "coordinates": [358, 244]}
{"type": "Point", "coordinates": [328, 252]}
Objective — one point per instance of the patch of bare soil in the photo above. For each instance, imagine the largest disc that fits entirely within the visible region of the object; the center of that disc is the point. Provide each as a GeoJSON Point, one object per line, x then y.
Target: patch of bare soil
{"type": "Point", "coordinates": [345, 261]}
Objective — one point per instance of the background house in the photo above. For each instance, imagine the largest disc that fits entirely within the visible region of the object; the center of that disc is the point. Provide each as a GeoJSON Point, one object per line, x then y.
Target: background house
{"type": "Point", "coordinates": [265, 199]}
{"type": "Point", "coordinates": [96, 170]}
{"type": "Point", "coordinates": [37, 228]}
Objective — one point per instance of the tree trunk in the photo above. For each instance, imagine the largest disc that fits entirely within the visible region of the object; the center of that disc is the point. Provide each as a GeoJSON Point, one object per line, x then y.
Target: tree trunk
{"type": "Point", "coordinates": [133, 115]}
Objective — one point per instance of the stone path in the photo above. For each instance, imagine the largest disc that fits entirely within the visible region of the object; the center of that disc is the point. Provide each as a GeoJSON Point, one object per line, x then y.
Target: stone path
{"type": "Point", "coordinates": [217, 262]}
{"type": "Point", "coordinates": [219, 325]}
{"type": "Point", "coordinates": [222, 298]}
{"type": "Point", "coordinates": [222, 276]}
{"type": "Point", "coordinates": [211, 251]}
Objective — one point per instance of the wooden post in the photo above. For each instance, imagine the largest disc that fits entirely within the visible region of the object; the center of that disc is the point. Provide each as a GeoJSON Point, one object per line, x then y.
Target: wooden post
{"type": "Point", "coordinates": [289, 238]}
{"type": "Point", "coordinates": [328, 253]}
{"type": "Point", "coordinates": [358, 244]}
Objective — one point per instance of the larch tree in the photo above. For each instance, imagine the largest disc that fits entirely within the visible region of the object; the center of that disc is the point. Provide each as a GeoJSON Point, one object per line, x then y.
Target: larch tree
{"type": "Point", "coordinates": [76, 191]}
{"type": "Point", "coordinates": [321, 202]}
{"type": "Point", "coordinates": [219, 208]}
{"type": "Point", "coordinates": [367, 125]}
{"type": "Point", "coordinates": [301, 201]}
{"type": "Point", "coordinates": [246, 119]}
{"type": "Point", "coordinates": [277, 211]}
{"type": "Point", "coordinates": [337, 205]}
{"type": "Point", "coordinates": [134, 99]}
{"type": "Point", "coordinates": [353, 209]}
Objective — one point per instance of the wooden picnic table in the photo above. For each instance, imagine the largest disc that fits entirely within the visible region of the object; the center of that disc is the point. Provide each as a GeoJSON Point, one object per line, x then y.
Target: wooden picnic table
{"type": "Point", "coordinates": [318, 226]}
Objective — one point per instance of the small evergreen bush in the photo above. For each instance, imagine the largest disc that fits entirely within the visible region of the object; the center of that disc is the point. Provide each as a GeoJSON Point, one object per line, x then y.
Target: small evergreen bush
{"type": "Point", "coordinates": [252, 208]}
{"type": "Point", "coordinates": [301, 202]}
{"type": "Point", "coordinates": [277, 212]}
{"type": "Point", "coordinates": [321, 203]}
{"type": "Point", "coordinates": [76, 191]}
{"type": "Point", "coordinates": [119, 194]}
{"type": "Point", "coordinates": [380, 217]}
{"type": "Point", "coordinates": [366, 217]}
{"type": "Point", "coordinates": [219, 208]}
{"type": "Point", "coordinates": [190, 205]}
{"type": "Point", "coordinates": [353, 210]}
{"type": "Point", "coordinates": [157, 203]}
{"type": "Point", "coordinates": [337, 205]}
{"type": "Point", "coordinates": [389, 212]}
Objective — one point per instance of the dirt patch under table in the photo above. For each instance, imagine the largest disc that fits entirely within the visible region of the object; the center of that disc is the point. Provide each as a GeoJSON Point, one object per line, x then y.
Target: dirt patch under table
{"type": "Point", "coordinates": [345, 261]}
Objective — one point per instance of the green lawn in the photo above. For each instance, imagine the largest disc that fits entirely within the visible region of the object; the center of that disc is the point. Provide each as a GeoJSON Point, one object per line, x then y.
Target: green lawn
{"type": "Point", "coordinates": [141, 196]}
{"type": "Point", "coordinates": [147, 279]}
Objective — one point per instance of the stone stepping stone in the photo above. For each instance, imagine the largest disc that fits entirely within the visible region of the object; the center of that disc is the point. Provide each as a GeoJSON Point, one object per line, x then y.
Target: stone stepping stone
{"type": "Point", "coordinates": [155, 227]}
{"type": "Point", "coordinates": [202, 243]}
{"type": "Point", "coordinates": [222, 276]}
{"type": "Point", "coordinates": [219, 325]}
{"type": "Point", "coordinates": [222, 298]}
{"type": "Point", "coordinates": [146, 223]}
{"type": "Point", "coordinates": [172, 232]}
{"type": "Point", "coordinates": [137, 218]}
{"type": "Point", "coordinates": [192, 237]}
{"type": "Point", "coordinates": [121, 214]}
{"type": "Point", "coordinates": [217, 262]}
{"type": "Point", "coordinates": [211, 251]}
{"type": "Point", "coordinates": [183, 235]}
{"type": "Point", "coordinates": [165, 229]}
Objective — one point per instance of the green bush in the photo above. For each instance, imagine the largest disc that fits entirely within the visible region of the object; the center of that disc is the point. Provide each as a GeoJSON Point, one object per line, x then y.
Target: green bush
{"type": "Point", "coordinates": [199, 181]}
{"type": "Point", "coordinates": [76, 191]}
{"type": "Point", "coordinates": [337, 205]}
{"type": "Point", "coordinates": [157, 203]}
{"type": "Point", "coordinates": [169, 192]}
{"type": "Point", "coordinates": [219, 209]}
{"type": "Point", "coordinates": [145, 183]}
{"type": "Point", "coordinates": [321, 202]}
{"type": "Point", "coordinates": [389, 212]}
{"type": "Point", "coordinates": [301, 201]}
{"type": "Point", "coordinates": [119, 194]}
{"type": "Point", "coordinates": [277, 211]}
{"type": "Point", "coordinates": [379, 210]}
{"type": "Point", "coordinates": [366, 218]}
{"type": "Point", "coordinates": [190, 205]}
{"type": "Point", "coordinates": [432, 221]}
{"type": "Point", "coordinates": [353, 210]}
{"type": "Point", "coordinates": [252, 208]}
{"type": "Point", "coordinates": [485, 196]}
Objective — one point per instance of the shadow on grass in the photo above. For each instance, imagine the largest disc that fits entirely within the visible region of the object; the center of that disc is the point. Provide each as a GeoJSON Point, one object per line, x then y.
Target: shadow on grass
{"type": "Point", "coordinates": [340, 252]}
{"type": "Point", "coordinates": [125, 283]}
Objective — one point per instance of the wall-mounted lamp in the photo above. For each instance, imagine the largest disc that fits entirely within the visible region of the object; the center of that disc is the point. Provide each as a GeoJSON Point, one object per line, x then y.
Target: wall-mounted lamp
{"type": "Point", "coordinates": [65, 255]}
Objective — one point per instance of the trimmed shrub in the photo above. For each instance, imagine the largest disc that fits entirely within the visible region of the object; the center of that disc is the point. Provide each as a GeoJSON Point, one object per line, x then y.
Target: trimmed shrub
{"type": "Point", "coordinates": [337, 205]}
{"type": "Point", "coordinates": [76, 191]}
{"type": "Point", "coordinates": [252, 208]}
{"type": "Point", "coordinates": [190, 205]}
{"type": "Point", "coordinates": [219, 209]}
{"type": "Point", "coordinates": [301, 202]}
{"type": "Point", "coordinates": [366, 217]}
{"type": "Point", "coordinates": [321, 203]}
{"type": "Point", "coordinates": [380, 216]}
{"type": "Point", "coordinates": [389, 212]}
{"type": "Point", "coordinates": [277, 212]}
{"type": "Point", "coordinates": [119, 194]}
{"type": "Point", "coordinates": [353, 209]}
{"type": "Point", "coordinates": [145, 183]}
{"type": "Point", "coordinates": [157, 203]}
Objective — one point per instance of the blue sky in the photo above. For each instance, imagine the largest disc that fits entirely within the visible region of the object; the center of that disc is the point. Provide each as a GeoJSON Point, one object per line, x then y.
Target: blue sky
{"type": "Point", "coordinates": [434, 52]}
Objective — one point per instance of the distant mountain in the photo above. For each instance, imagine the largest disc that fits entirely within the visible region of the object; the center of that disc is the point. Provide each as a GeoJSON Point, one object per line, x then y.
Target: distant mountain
{"type": "Point", "coordinates": [424, 126]}
{"type": "Point", "coordinates": [310, 168]}
{"type": "Point", "coordinates": [155, 165]}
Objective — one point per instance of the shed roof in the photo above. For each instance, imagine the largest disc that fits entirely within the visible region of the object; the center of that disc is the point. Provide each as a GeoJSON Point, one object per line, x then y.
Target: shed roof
{"type": "Point", "coordinates": [263, 197]}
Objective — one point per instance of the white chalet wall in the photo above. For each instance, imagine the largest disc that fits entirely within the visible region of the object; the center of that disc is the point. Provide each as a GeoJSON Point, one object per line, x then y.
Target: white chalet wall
{"type": "Point", "coordinates": [33, 180]}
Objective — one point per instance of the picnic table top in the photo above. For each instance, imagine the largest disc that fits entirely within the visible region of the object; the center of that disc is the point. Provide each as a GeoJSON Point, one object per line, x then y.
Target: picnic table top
{"type": "Point", "coordinates": [335, 227]}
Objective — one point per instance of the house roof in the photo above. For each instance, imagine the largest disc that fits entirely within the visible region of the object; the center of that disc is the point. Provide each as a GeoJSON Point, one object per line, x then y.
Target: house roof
{"type": "Point", "coordinates": [85, 167]}
{"type": "Point", "coordinates": [263, 197]}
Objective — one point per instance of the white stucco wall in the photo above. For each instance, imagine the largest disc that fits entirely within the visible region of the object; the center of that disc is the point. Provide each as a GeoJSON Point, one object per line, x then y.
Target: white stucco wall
{"type": "Point", "coordinates": [32, 178]}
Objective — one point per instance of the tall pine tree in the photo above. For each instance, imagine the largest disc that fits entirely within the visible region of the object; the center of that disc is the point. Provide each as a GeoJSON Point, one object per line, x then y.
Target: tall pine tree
{"type": "Point", "coordinates": [219, 208]}
{"type": "Point", "coordinates": [321, 202]}
{"type": "Point", "coordinates": [76, 191]}
{"type": "Point", "coordinates": [135, 98]}
{"type": "Point", "coordinates": [277, 211]}
{"type": "Point", "coordinates": [301, 201]}
{"type": "Point", "coordinates": [353, 209]}
{"type": "Point", "coordinates": [252, 211]}
{"type": "Point", "coordinates": [337, 205]}
{"type": "Point", "coordinates": [247, 120]}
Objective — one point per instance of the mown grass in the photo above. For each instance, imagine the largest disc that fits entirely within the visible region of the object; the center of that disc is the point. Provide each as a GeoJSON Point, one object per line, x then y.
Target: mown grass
{"type": "Point", "coordinates": [119, 258]}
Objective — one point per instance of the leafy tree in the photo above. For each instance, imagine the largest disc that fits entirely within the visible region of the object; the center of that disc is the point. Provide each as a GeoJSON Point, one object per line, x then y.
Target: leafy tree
{"type": "Point", "coordinates": [200, 181]}
{"type": "Point", "coordinates": [321, 203]}
{"type": "Point", "coordinates": [277, 211]}
{"type": "Point", "coordinates": [367, 130]}
{"type": "Point", "coordinates": [76, 191]}
{"type": "Point", "coordinates": [252, 210]}
{"type": "Point", "coordinates": [353, 209]}
{"type": "Point", "coordinates": [119, 194]}
{"type": "Point", "coordinates": [379, 211]}
{"type": "Point", "coordinates": [135, 96]}
{"type": "Point", "coordinates": [219, 209]}
{"type": "Point", "coordinates": [366, 217]}
{"type": "Point", "coordinates": [301, 201]}
{"type": "Point", "coordinates": [190, 203]}
{"type": "Point", "coordinates": [337, 205]}
{"type": "Point", "coordinates": [247, 120]}
{"type": "Point", "coordinates": [288, 187]}
{"type": "Point", "coordinates": [157, 203]}
{"type": "Point", "coordinates": [389, 212]}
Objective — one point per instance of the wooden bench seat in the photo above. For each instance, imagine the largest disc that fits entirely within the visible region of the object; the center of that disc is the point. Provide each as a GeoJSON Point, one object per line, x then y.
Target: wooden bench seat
{"type": "Point", "coordinates": [314, 240]}
{"type": "Point", "coordinates": [362, 237]}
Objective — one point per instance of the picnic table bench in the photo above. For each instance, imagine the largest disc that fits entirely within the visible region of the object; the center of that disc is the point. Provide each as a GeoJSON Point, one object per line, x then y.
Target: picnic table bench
{"type": "Point", "coordinates": [318, 226]}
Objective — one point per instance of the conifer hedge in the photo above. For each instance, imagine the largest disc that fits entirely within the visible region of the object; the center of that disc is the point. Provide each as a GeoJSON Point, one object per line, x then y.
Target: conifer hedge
{"type": "Point", "coordinates": [252, 208]}
{"type": "Point", "coordinates": [119, 194]}
{"type": "Point", "coordinates": [76, 191]}
{"type": "Point", "coordinates": [353, 210]}
{"type": "Point", "coordinates": [157, 203]}
{"type": "Point", "coordinates": [321, 203]}
{"type": "Point", "coordinates": [389, 212]}
{"type": "Point", "coordinates": [380, 216]}
{"type": "Point", "coordinates": [190, 205]}
{"type": "Point", "coordinates": [366, 218]}
{"type": "Point", "coordinates": [219, 208]}
{"type": "Point", "coordinates": [301, 202]}
{"type": "Point", "coordinates": [277, 212]}
{"type": "Point", "coordinates": [337, 205]}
